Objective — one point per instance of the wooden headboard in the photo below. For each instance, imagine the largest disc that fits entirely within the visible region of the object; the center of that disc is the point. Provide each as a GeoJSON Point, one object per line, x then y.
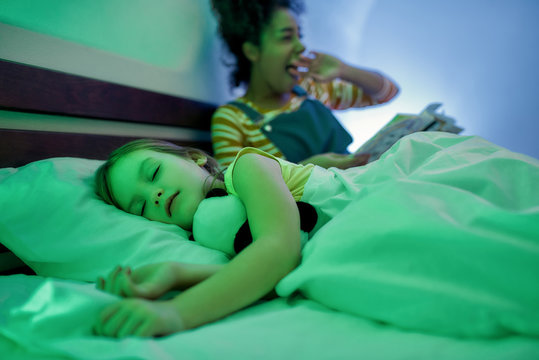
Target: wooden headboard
{"type": "Point", "coordinates": [45, 113]}
{"type": "Point", "coordinates": [30, 97]}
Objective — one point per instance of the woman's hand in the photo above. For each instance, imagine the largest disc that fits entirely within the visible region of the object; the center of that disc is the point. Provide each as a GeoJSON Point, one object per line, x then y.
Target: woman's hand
{"type": "Point", "coordinates": [149, 281]}
{"type": "Point", "coordinates": [321, 67]}
{"type": "Point", "coordinates": [340, 161]}
{"type": "Point", "coordinates": [138, 317]}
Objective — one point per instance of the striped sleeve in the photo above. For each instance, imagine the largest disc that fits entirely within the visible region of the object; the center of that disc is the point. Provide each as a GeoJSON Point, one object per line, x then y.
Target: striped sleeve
{"type": "Point", "coordinates": [387, 92]}
{"type": "Point", "coordinates": [339, 94]}
{"type": "Point", "coordinates": [227, 135]}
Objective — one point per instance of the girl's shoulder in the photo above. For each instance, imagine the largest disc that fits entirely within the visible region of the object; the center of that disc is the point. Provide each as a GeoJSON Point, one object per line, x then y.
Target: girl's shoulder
{"type": "Point", "coordinates": [229, 184]}
{"type": "Point", "coordinates": [254, 152]}
{"type": "Point", "coordinates": [294, 175]}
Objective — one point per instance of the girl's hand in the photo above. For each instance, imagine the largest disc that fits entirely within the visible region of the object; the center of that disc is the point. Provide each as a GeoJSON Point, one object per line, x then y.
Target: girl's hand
{"type": "Point", "coordinates": [321, 67]}
{"type": "Point", "coordinates": [138, 317]}
{"type": "Point", "coordinates": [149, 281]}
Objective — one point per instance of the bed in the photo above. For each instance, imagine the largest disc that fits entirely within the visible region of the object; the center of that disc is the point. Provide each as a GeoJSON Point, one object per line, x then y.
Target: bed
{"type": "Point", "coordinates": [55, 129]}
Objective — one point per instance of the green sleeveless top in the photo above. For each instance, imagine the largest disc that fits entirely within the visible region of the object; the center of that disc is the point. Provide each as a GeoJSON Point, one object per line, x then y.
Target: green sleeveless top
{"type": "Point", "coordinates": [295, 176]}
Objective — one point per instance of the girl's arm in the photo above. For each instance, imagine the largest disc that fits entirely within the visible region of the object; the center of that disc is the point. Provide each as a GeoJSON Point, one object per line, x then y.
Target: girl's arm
{"type": "Point", "coordinates": [274, 222]}
{"type": "Point", "coordinates": [154, 280]}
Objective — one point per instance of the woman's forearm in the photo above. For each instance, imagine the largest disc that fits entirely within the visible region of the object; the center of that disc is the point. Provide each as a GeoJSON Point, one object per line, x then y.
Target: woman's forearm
{"type": "Point", "coordinates": [371, 82]}
{"type": "Point", "coordinates": [341, 161]}
{"type": "Point", "coordinates": [322, 160]}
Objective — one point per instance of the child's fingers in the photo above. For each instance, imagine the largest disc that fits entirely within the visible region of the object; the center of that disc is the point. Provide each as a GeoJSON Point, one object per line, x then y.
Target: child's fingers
{"type": "Point", "coordinates": [118, 282]}
{"type": "Point", "coordinates": [123, 285]}
{"type": "Point", "coordinates": [145, 328]}
{"type": "Point", "coordinates": [116, 321]}
{"type": "Point", "coordinates": [110, 282]}
{"type": "Point", "coordinates": [130, 325]}
{"type": "Point", "coordinates": [103, 318]}
{"type": "Point", "coordinates": [122, 281]}
{"type": "Point", "coordinates": [127, 287]}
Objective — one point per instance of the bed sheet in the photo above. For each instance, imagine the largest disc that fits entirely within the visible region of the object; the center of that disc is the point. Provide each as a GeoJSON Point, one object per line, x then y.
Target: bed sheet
{"type": "Point", "coordinates": [47, 318]}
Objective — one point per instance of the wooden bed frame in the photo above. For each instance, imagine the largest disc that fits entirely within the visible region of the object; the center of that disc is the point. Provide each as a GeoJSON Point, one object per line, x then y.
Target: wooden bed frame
{"type": "Point", "coordinates": [31, 91]}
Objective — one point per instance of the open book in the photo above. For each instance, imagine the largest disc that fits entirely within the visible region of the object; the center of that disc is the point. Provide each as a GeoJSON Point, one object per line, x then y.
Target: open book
{"type": "Point", "coordinates": [404, 124]}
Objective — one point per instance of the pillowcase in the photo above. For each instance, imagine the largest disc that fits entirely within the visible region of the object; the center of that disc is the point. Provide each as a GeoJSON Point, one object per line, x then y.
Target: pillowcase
{"type": "Point", "coordinates": [52, 220]}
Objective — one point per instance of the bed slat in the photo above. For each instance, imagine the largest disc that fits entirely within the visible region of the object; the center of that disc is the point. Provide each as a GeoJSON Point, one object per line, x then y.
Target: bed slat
{"type": "Point", "coordinates": [33, 89]}
{"type": "Point", "coordinates": [18, 148]}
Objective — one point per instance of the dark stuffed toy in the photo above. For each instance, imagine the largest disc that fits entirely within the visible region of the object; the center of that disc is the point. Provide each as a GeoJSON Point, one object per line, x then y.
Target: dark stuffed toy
{"type": "Point", "coordinates": [220, 223]}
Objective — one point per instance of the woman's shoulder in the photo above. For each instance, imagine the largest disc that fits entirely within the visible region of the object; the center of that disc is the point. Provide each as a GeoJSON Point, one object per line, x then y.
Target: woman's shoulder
{"type": "Point", "coordinates": [230, 110]}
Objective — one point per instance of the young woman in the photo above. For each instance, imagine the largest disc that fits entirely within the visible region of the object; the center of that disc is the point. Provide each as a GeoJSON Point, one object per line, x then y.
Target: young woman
{"type": "Point", "coordinates": [284, 111]}
{"type": "Point", "coordinates": [483, 196]}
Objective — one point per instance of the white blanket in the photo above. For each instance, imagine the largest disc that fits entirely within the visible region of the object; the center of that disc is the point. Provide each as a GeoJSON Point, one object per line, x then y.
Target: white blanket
{"type": "Point", "coordinates": [440, 235]}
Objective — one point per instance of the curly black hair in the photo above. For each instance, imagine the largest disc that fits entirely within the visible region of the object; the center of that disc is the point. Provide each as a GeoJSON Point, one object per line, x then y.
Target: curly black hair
{"type": "Point", "coordinates": [241, 21]}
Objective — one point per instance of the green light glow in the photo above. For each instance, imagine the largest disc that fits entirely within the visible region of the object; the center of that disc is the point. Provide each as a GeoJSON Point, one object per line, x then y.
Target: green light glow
{"type": "Point", "coordinates": [169, 34]}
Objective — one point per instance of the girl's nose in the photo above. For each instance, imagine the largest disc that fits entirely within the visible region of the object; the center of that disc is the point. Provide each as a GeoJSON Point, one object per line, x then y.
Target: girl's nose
{"type": "Point", "coordinates": [158, 197]}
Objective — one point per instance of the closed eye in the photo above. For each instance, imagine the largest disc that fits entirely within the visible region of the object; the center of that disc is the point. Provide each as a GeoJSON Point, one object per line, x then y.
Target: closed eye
{"type": "Point", "coordinates": [155, 173]}
{"type": "Point", "coordinates": [143, 207]}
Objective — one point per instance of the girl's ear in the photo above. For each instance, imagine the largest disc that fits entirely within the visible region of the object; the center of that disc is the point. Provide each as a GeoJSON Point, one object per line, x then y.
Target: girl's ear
{"type": "Point", "coordinates": [250, 51]}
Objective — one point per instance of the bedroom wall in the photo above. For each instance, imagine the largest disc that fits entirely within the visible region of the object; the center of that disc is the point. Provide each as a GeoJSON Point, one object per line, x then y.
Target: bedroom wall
{"type": "Point", "coordinates": [478, 57]}
{"type": "Point", "coordinates": [164, 45]}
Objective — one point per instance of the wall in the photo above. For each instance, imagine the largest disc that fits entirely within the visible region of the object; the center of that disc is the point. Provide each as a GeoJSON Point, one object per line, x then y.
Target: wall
{"type": "Point", "coordinates": [479, 58]}
{"type": "Point", "coordinates": [163, 45]}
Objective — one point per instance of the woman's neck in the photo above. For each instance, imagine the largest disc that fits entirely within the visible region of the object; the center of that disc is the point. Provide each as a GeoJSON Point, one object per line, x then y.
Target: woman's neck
{"type": "Point", "coordinates": [264, 96]}
{"type": "Point", "coordinates": [267, 100]}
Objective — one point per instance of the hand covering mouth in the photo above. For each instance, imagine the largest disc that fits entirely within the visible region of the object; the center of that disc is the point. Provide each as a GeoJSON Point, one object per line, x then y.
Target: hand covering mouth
{"type": "Point", "coordinates": [168, 203]}
{"type": "Point", "coordinates": [292, 70]}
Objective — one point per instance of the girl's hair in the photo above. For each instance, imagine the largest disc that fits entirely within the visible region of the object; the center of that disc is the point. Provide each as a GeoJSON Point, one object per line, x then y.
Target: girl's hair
{"type": "Point", "coordinates": [241, 21]}
{"type": "Point", "coordinates": [102, 183]}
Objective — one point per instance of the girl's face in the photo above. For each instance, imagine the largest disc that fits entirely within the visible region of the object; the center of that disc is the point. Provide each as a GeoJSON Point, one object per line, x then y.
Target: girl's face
{"type": "Point", "coordinates": [159, 186]}
{"type": "Point", "coordinates": [279, 49]}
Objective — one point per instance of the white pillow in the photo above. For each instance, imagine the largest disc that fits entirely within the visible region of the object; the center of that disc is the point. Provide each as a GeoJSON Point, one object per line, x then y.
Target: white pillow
{"type": "Point", "coordinates": [53, 221]}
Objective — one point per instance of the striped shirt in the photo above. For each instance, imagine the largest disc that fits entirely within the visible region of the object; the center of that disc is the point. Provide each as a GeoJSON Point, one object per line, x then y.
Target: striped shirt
{"type": "Point", "coordinates": [232, 129]}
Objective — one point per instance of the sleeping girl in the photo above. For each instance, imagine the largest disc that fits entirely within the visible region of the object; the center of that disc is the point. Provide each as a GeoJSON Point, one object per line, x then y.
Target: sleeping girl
{"type": "Point", "coordinates": [164, 182]}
